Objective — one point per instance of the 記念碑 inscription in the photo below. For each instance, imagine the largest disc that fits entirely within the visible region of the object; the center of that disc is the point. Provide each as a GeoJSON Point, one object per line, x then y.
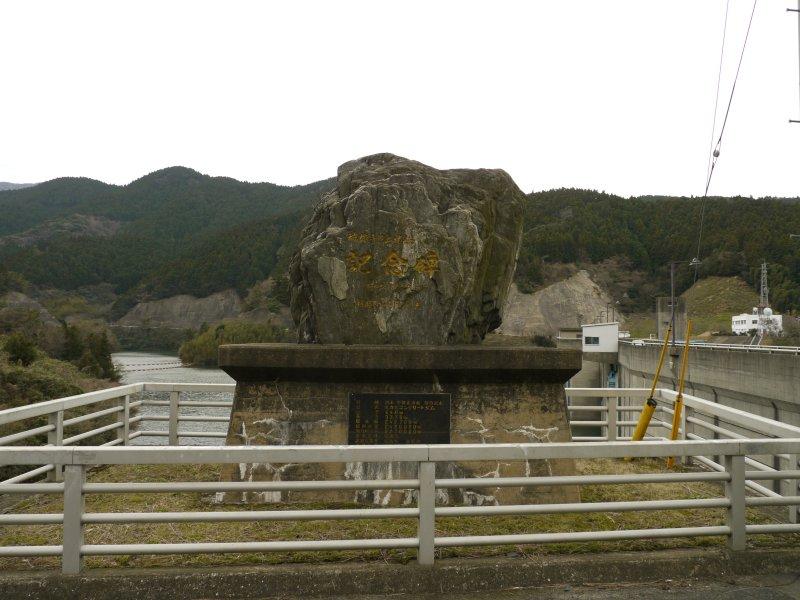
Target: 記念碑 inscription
{"type": "Point", "coordinates": [399, 419]}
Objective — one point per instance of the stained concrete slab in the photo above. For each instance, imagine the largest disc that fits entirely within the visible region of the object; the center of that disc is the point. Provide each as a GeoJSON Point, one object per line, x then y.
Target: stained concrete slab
{"type": "Point", "coordinates": [704, 574]}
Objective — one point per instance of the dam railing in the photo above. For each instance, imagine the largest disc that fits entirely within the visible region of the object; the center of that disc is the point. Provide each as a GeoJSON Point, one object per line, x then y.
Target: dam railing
{"type": "Point", "coordinates": [753, 459]}
{"type": "Point", "coordinates": [732, 347]}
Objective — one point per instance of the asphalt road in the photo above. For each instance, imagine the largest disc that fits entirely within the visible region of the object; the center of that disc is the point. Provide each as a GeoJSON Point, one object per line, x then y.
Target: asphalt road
{"type": "Point", "coordinates": [769, 587]}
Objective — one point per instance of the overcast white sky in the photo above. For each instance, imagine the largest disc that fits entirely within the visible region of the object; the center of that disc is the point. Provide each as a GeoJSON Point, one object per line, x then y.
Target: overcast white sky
{"type": "Point", "coordinates": [612, 95]}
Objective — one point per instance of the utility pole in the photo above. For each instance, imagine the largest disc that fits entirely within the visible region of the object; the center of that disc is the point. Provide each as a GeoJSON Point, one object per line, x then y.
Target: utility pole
{"type": "Point", "coordinates": [797, 10]}
{"type": "Point", "coordinates": [672, 301]}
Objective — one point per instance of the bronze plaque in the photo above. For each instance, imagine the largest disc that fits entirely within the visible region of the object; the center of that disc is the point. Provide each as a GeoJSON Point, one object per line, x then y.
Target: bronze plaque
{"type": "Point", "coordinates": [399, 419]}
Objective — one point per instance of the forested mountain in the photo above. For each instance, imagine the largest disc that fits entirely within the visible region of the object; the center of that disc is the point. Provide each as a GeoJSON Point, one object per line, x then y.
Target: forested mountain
{"type": "Point", "coordinates": [177, 231]}
{"type": "Point", "coordinates": [569, 226]}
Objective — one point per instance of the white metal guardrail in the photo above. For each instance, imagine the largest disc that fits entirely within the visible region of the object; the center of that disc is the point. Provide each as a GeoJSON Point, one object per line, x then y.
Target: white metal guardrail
{"type": "Point", "coordinates": [701, 344]}
{"type": "Point", "coordinates": [747, 455]}
{"type": "Point", "coordinates": [700, 420]}
{"type": "Point", "coordinates": [118, 405]}
{"type": "Point", "coordinates": [76, 461]}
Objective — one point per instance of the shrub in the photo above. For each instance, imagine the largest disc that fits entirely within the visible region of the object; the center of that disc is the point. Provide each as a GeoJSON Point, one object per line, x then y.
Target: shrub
{"type": "Point", "coordinates": [202, 349]}
{"type": "Point", "coordinates": [20, 349]}
{"type": "Point", "coordinates": [545, 341]}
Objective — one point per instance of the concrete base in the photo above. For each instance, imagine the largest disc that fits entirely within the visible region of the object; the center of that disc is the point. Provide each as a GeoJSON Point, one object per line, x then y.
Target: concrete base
{"type": "Point", "coordinates": [290, 394]}
{"type": "Point", "coordinates": [451, 576]}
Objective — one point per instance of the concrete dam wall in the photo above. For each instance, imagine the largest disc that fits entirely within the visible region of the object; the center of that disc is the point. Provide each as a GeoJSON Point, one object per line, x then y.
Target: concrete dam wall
{"type": "Point", "coordinates": [756, 380]}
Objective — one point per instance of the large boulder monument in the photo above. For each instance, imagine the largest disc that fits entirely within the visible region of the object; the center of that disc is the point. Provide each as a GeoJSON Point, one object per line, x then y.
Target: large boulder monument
{"type": "Point", "coordinates": [401, 272]}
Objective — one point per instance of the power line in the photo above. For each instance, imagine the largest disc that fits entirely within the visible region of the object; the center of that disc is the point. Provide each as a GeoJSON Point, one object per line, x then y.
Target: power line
{"type": "Point", "coordinates": [716, 148]}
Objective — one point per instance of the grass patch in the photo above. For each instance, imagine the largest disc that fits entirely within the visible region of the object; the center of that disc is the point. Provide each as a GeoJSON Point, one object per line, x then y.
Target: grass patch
{"type": "Point", "coordinates": [712, 301]}
{"type": "Point", "coordinates": [329, 530]}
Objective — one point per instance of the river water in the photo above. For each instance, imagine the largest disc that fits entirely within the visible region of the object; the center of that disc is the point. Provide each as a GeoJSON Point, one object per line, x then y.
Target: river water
{"type": "Point", "coordinates": [140, 367]}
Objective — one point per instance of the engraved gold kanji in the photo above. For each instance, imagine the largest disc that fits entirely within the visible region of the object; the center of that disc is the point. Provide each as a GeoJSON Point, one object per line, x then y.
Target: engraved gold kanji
{"type": "Point", "coordinates": [358, 262]}
{"type": "Point", "coordinates": [394, 264]}
{"type": "Point", "coordinates": [427, 264]}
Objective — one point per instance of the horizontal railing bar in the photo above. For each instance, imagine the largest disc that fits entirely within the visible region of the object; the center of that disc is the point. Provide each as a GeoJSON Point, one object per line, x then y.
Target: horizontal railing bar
{"type": "Point", "coordinates": [199, 418]}
{"type": "Point", "coordinates": [252, 515]}
{"type": "Point", "coordinates": [28, 475]}
{"type": "Point", "coordinates": [788, 474]}
{"type": "Point", "coordinates": [579, 536]}
{"type": "Point", "coordinates": [135, 404]}
{"type": "Point", "coordinates": [31, 550]}
{"type": "Point", "coordinates": [581, 507]}
{"type": "Point", "coordinates": [588, 438]}
{"type": "Point", "coordinates": [31, 488]}
{"type": "Point", "coordinates": [91, 433]}
{"type": "Point", "coordinates": [716, 428]}
{"type": "Point", "coordinates": [220, 547]}
{"type": "Point", "coordinates": [94, 415]}
{"type": "Point", "coordinates": [491, 482]}
{"type": "Point", "coordinates": [250, 486]}
{"type": "Point", "coordinates": [135, 419]}
{"type": "Point", "coordinates": [20, 413]}
{"type": "Point", "coordinates": [772, 501]}
{"type": "Point", "coordinates": [774, 528]}
{"type": "Point", "coordinates": [649, 448]}
{"type": "Point", "coordinates": [194, 403]}
{"type": "Point", "coordinates": [114, 442]}
{"type": "Point", "coordinates": [22, 435]}
{"type": "Point", "coordinates": [748, 461]}
{"type": "Point", "coordinates": [207, 434]}
{"type": "Point", "coordinates": [735, 416]}
{"type": "Point", "coordinates": [32, 519]}
{"type": "Point", "coordinates": [607, 392]}
{"type": "Point", "coordinates": [750, 484]}
{"type": "Point", "coordinates": [572, 407]}
{"type": "Point", "coordinates": [154, 386]}
{"type": "Point", "coordinates": [588, 423]}
{"type": "Point", "coordinates": [134, 434]}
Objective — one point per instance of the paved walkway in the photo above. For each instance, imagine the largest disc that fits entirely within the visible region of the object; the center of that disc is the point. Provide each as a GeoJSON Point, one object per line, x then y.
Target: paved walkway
{"type": "Point", "coordinates": [769, 587]}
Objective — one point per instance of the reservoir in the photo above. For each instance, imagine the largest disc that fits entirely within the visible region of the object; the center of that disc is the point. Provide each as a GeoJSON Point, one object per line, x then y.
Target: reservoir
{"type": "Point", "coordinates": [138, 367]}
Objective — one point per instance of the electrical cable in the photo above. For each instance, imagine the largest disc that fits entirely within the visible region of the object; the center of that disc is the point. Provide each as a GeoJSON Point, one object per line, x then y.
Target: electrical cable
{"type": "Point", "coordinates": [715, 151]}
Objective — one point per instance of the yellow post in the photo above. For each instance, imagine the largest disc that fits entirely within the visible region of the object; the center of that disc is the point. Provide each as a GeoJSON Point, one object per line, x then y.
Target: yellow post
{"type": "Point", "coordinates": [650, 406]}
{"type": "Point", "coordinates": [676, 416]}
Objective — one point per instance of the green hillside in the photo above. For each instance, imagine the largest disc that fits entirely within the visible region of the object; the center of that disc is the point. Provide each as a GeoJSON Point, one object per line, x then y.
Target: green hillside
{"type": "Point", "coordinates": [588, 227]}
{"type": "Point", "coordinates": [711, 302]}
{"type": "Point", "coordinates": [178, 231]}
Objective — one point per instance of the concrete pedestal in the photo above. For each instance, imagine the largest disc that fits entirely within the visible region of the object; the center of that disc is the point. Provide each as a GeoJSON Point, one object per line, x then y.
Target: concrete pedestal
{"type": "Point", "coordinates": [292, 394]}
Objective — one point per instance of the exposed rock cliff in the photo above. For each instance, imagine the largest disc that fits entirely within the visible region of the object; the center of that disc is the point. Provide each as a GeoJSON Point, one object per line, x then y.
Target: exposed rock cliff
{"type": "Point", "coordinates": [404, 253]}
{"type": "Point", "coordinates": [568, 303]}
{"type": "Point", "coordinates": [184, 312]}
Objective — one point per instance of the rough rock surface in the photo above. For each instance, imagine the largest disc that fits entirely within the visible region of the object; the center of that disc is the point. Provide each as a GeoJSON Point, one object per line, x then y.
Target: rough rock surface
{"type": "Point", "coordinates": [184, 312]}
{"type": "Point", "coordinates": [404, 253]}
{"type": "Point", "coordinates": [568, 303]}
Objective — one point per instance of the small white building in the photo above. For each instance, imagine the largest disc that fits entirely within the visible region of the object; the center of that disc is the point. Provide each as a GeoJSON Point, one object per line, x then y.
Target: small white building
{"type": "Point", "coordinates": [601, 337]}
{"type": "Point", "coordinates": [754, 322]}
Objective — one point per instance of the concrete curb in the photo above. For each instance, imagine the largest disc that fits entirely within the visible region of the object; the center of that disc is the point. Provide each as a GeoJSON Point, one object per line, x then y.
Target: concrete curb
{"type": "Point", "coordinates": [452, 575]}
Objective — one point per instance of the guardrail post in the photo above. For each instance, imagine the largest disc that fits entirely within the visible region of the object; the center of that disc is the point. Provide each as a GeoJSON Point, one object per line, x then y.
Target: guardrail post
{"type": "Point", "coordinates": [612, 404]}
{"type": "Point", "coordinates": [124, 432]}
{"type": "Point", "coordinates": [426, 502]}
{"type": "Point", "coordinates": [735, 492]}
{"type": "Point", "coordinates": [56, 438]}
{"type": "Point", "coordinates": [686, 460]}
{"type": "Point", "coordinates": [71, 558]}
{"type": "Point", "coordinates": [789, 487]}
{"type": "Point", "coordinates": [173, 418]}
